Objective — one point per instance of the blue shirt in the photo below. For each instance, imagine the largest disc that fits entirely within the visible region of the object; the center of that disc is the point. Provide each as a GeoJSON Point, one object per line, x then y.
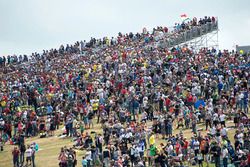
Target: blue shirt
{"type": "Point", "coordinates": [49, 109]}
{"type": "Point", "coordinates": [84, 162]}
{"type": "Point", "coordinates": [220, 86]}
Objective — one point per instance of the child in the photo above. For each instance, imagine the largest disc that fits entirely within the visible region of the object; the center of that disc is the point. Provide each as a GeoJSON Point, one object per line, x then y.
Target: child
{"type": "Point", "coordinates": [28, 153]}
{"type": "Point", "coordinates": [84, 162]}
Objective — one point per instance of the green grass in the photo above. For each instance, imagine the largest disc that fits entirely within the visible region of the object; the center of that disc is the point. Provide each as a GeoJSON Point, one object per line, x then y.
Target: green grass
{"type": "Point", "coordinates": [49, 147]}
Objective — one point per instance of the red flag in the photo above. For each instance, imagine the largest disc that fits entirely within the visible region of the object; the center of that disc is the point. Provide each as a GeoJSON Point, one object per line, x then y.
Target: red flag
{"type": "Point", "coordinates": [183, 15]}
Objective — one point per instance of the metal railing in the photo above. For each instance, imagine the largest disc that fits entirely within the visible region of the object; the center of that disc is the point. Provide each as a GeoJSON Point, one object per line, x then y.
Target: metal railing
{"type": "Point", "coordinates": [178, 38]}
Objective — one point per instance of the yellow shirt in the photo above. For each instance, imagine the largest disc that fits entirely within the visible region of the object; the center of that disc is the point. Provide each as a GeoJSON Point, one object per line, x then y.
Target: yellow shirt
{"type": "Point", "coordinates": [95, 67]}
{"type": "Point", "coordinates": [86, 75]}
{"type": "Point", "coordinates": [95, 106]}
{"type": "Point", "coordinates": [152, 140]}
{"type": "Point", "coordinates": [3, 103]}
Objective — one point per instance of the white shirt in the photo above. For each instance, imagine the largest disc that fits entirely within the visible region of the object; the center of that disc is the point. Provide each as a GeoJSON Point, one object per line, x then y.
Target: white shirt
{"type": "Point", "coordinates": [222, 117]}
{"type": "Point", "coordinates": [136, 152]}
{"type": "Point", "coordinates": [88, 155]}
{"type": "Point", "coordinates": [223, 132]}
{"type": "Point", "coordinates": [215, 116]}
{"type": "Point", "coordinates": [2, 123]}
{"type": "Point", "coordinates": [132, 89]}
{"type": "Point", "coordinates": [100, 92]}
{"type": "Point", "coordinates": [29, 152]}
{"type": "Point", "coordinates": [170, 149]}
{"type": "Point", "coordinates": [210, 108]}
{"type": "Point", "coordinates": [213, 130]}
{"type": "Point", "coordinates": [108, 83]}
{"type": "Point", "coordinates": [224, 153]}
{"type": "Point", "coordinates": [141, 148]}
{"type": "Point", "coordinates": [241, 96]}
{"type": "Point", "coordinates": [159, 62]}
{"type": "Point", "coordinates": [145, 101]}
{"type": "Point", "coordinates": [128, 135]}
{"type": "Point", "coordinates": [144, 115]}
{"type": "Point", "coordinates": [220, 78]}
{"type": "Point", "coordinates": [196, 145]}
{"type": "Point", "coordinates": [240, 137]}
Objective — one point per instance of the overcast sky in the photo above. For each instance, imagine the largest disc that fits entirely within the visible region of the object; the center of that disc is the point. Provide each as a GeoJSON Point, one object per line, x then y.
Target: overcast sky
{"type": "Point", "coordinates": [27, 26]}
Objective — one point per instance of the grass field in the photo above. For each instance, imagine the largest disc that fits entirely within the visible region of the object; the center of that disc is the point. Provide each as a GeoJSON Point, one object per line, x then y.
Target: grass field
{"type": "Point", "coordinates": [49, 148]}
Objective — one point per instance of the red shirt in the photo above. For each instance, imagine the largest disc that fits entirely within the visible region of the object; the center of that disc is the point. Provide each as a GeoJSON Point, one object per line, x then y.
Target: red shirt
{"type": "Point", "coordinates": [101, 107]}
{"type": "Point", "coordinates": [124, 91]}
{"type": "Point", "coordinates": [8, 127]}
{"type": "Point", "coordinates": [167, 102]}
{"type": "Point", "coordinates": [15, 153]}
{"type": "Point", "coordinates": [190, 98]}
{"type": "Point", "coordinates": [185, 144]}
{"type": "Point", "coordinates": [6, 110]}
{"type": "Point", "coordinates": [112, 81]}
{"type": "Point", "coordinates": [51, 88]}
{"type": "Point", "coordinates": [140, 81]}
{"type": "Point", "coordinates": [115, 56]}
{"type": "Point", "coordinates": [177, 89]}
{"type": "Point", "coordinates": [177, 148]}
{"type": "Point", "coordinates": [194, 99]}
{"type": "Point", "coordinates": [124, 55]}
{"type": "Point", "coordinates": [90, 88]}
{"type": "Point", "coordinates": [5, 98]}
{"type": "Point", "coordinates": [70, 77]}
{"type": "Point", "coordinates": [120, 86]}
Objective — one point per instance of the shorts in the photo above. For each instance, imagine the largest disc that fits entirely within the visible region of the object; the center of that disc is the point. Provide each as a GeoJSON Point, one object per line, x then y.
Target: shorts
{"type": "Point", "coordinates": [28, 159]}
{"type": "Point", "coordinates": [223, 123]}
{"type": "Point", "coordinates": [86, 121]}
{"type": "Point", "coordinates": [95, 112]}
{"type": "Point", "coordinates": [236, 120]}
{"type": "Point", "coordinates": [90, 121]}
{"type": "Point", "coordinates": [52, 127]}
{"type": "Point", "coordinates": [136, 111]}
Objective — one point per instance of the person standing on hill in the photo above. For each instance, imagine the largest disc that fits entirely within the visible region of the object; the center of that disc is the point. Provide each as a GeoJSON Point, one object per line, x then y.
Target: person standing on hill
{"type": "Point", "coordinates": [84, 162]}
{"type": "Point", "coordinates": [15, 154]}
{"type": "Point", "coordinates": [28, 153]}
{"type": "Point", "coordinates": [22, 151]}
{"type": "Point", "coordinates": [62, 158]}
{"type": "Point", "coordinates": [106, 157]}
{"type": "Point", "coordinates": [33, 154]}
{"type": "Point", "coordinates": [216, 151]}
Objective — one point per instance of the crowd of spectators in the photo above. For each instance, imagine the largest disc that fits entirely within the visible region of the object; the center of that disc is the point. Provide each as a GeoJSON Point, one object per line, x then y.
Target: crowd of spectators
{"type": "Point", "coordinates": [138, 93]}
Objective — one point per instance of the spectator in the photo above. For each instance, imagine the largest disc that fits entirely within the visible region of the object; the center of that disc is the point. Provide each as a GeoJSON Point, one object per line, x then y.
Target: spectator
{"type": "Point", "coordinates": [15, 154]}
{"type": "Point", "coordinates": [28, 154]}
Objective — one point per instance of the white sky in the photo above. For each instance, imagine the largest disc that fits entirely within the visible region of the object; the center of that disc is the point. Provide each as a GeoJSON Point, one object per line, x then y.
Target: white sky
{"type": "Point", "coordinates": [27, 26]}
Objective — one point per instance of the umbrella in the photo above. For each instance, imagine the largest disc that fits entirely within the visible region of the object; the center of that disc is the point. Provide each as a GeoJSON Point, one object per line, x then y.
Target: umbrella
{"type": "Point", "coordinates": [198, 103]}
